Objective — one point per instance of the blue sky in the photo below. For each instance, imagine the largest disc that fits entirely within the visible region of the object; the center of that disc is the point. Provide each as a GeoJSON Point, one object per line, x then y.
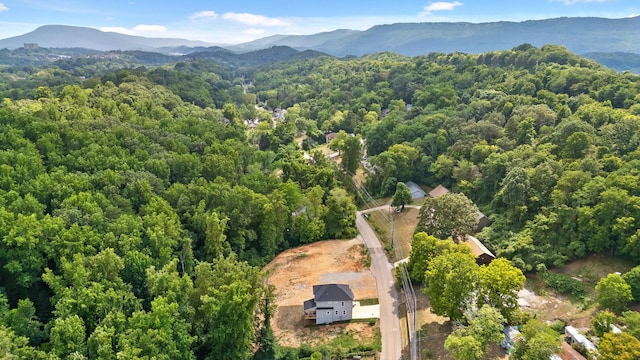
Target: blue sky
{"type": "Point", "coordinates": [234, 21]}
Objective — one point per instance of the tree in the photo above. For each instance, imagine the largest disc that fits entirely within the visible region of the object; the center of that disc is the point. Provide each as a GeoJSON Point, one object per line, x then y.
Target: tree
{"type": "Point", "coordinates": [619, 347]}
{"type": "Point", "coordinates": [402, 195]}
{"type": "Point", "coordinates": [631, 319]}
{"type": "Point", "coordinates": [484, 327]}
{"type": "Point", "coordinates": [487, 325]}
{"type": "Point", "coordinates": [576, 145]}
{"type": "Point", "coordinates": [68, 337]}
{"type": "Point", "coordinates": [450, 215]}
{"type": "Point", "coordinates": [601, 323]}
{"type": "Point", "coordinates": [340, 218]}
{"type": "Point", "coordinates": [632, 277]}
{"type": "Point", "coordinates": [463, 347]}
{"type": "Point", "coordinates": [158, 334]}
{"type": "Point", "coordinates": [514, 192]}
{"type": "Point", "coordinates": [452, 280]}
{"type": "Point", "coordinates": [500, 282]}
{"type": "Point", "coordinates": [349, 147]}
{"type": "Point", "coordinates": [425, 248]}
{"type": "Point", "coordinates": [613, 293]}
{"type": "Point", "coordinates": [225, 299]}
{"type": "Point", "coordinates": [538, 342]}
{"type": "Point", "coordinates": [266, 340]}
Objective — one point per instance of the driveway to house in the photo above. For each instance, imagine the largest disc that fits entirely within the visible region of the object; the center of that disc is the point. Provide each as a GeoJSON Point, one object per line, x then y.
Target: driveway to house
{"type": "Point", "coordinates": [365, 311]}
{"type": "Point", "coordinates": [387, 295]}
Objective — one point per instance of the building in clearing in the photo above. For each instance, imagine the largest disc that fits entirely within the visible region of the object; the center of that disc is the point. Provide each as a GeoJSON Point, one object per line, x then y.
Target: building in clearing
{"type": "Point", "coordinates": [330, 303]}
{"type": "Point", "coordinates": [416, 190]}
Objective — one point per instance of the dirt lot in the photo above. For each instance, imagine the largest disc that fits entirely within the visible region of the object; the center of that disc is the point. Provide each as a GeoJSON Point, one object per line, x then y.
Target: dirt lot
{"type": "Point", "coordinates": [294, 272]}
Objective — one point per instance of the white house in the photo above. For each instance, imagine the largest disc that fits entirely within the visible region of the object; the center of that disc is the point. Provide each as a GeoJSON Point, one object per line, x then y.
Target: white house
{"type": "Point", "coordinates": [572, 335]}
{"type": "Point", "coordinates": [330, 303]}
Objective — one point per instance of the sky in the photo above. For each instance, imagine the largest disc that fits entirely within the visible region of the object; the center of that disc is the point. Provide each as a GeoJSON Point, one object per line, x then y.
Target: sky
{"type": "Point", "coordinates": [237, 21]}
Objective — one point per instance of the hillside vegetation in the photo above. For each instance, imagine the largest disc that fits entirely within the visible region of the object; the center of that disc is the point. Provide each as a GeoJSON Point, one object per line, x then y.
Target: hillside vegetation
{"type": "Point", "coordinates": [136, 205]}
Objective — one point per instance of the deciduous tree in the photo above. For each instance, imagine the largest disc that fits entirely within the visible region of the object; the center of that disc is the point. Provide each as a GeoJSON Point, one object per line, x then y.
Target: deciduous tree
{"type": "Point", "coordinates": [452, 280]}
{"type": "Point", "coordinates": [450, 215]}
{"type": "Point", "coordinates": [613, 293]}
{"type": "Point", "coordinates": [402, 195]}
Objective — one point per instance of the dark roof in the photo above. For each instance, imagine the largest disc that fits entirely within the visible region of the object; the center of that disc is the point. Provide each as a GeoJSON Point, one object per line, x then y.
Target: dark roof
{"type": "Point", "coordinates": [332, 292]}
{"type": "Point", "coordinates": [309, 304]}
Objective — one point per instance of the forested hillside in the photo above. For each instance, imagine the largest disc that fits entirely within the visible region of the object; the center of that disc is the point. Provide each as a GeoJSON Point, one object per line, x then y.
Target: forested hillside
{"type": "Point", "coordinates": [132, 221]}
{"type": "Point", "coordinates": [543, 141]}
{"type": "Point", "coordinates": [136, 205]}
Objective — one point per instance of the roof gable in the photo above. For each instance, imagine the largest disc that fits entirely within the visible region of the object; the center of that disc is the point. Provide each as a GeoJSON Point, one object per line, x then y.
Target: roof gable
{"type": "Point", "coordinates": [332, 292]}
{"type": "Point", "coordinates": [438, 191]}
{"type": "Point", "coordinates": [416, 190]}
{"type": "Point", "coordinates": [477, 247]}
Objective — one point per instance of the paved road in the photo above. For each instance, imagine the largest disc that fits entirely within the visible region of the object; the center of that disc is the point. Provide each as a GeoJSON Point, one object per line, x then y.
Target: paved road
{"type": "Point", "coordinates": [387, 294]}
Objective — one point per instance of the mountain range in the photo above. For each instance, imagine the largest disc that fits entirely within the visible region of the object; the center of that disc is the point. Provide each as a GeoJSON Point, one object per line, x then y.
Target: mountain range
{"type": "Point", "coordinates": [579, 35]}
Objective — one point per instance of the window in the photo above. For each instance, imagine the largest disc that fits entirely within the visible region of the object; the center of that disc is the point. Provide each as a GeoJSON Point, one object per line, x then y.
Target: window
{"type": "Point", "coordinates": [336, 312]}
{"type": "Point", "coordinates": [343, 304]}
{"type": "Point", "coordinates": [344, 312]}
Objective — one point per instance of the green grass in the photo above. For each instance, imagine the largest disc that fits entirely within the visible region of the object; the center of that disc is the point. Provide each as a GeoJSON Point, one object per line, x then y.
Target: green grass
{"type": "Point", "coordinates": [405, 223]}
{"type": "Point", "coordinates": [593, 268]}
{"type": "Point", "coordinates": [349, 342]}
{"type": "Point", "coordinates": [366, 302]}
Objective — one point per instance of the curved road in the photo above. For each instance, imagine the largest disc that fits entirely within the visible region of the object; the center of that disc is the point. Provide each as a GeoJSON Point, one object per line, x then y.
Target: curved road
{"type": "Point", "coordinates": [387, 294]}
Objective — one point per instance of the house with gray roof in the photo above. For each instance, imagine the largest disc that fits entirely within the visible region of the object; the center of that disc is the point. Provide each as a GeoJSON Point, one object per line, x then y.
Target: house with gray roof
{"type": "Point", "coordinates": [416, 190]}
{"type": "Point", "coordinates": [330, 303]}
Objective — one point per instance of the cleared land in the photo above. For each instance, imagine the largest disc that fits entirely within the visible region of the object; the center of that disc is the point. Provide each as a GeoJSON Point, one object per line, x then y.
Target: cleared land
{"type": "Point", "coordinates": [294, 272]}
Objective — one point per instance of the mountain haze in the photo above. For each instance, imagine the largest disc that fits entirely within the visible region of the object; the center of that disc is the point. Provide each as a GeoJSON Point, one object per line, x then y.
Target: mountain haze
{"type": "Point", "coordinates": [63, 36]}
{"type": "Point", "coordinates": [579, 35]}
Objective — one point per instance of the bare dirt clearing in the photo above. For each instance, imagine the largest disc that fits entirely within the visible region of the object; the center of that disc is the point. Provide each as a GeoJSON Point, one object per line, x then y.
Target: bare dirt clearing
{"type": "Point", "coordinates": [294, 272]}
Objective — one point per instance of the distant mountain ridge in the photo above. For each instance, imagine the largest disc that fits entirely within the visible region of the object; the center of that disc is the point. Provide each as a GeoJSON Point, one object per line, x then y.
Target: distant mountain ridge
{"type": "Point", "coordinates": [579, 35]}
{"type": "Point", "coordinates": [63, 36]}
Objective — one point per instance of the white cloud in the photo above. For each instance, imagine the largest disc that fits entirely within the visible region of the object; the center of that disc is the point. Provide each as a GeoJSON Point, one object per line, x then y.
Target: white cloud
{"type": "Point", "coordinates": [440, 6]}
{"type": "Point", "coordinates": [3, 7]}
{"type": "Point", "coordinates": [209, 15]}
{"type": "Point", "coordinates": [571, 2]}
{"type": "Point", "coordinates": [254, 31]}
{"type": "Point", "coordinates": [150, 28]}
{"type": "Point", "coordinates": [253, 19]}
{"type": "Point", "coordinates": [139, 30]}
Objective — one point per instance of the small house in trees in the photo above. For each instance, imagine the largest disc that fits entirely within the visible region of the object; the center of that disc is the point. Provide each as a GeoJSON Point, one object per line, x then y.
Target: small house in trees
{"type": "Point", "coordinates": [482, 254]}
{"type": "Point", "coordinates": [573, 336]}
{"type": "Point", "coordinates": [569, 353]}
{"type": "Point", "coordinates": [438, 191]}
{"type": "Point", "coordinates": [511, 337]}
{"type": "Point", "coordinates": [330, 136]}
{"type": "Point", "coordinates": [416, 190]}
{"type": "Point", "coordinates": [330, 303]}
{"type": "Point", "coordinates": [483, 221]}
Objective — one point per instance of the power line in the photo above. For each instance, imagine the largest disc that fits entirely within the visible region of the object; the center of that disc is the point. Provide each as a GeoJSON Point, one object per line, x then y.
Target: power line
{"type": "Point", "coordinates": [407, 287]}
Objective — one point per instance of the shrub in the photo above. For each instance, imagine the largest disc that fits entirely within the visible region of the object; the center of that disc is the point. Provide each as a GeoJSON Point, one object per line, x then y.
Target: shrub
{"type": "Point", "coordinates": [565, 284]}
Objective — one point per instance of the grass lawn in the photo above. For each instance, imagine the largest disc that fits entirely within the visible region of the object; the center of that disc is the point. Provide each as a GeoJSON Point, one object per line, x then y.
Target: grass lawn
{"type": "Point", "coordinates": [405, 224]}
{"type": "Point", "coordinates": [591, 269]}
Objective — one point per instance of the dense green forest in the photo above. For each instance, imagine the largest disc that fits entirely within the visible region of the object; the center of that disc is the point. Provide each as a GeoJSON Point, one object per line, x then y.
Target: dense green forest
{"type": "Point", "coordinates": [136, 206]}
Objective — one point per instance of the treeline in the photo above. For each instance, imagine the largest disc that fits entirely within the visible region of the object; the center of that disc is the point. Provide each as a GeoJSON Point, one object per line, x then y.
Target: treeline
{"type": "Point", "coordinates": [132, 223]}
